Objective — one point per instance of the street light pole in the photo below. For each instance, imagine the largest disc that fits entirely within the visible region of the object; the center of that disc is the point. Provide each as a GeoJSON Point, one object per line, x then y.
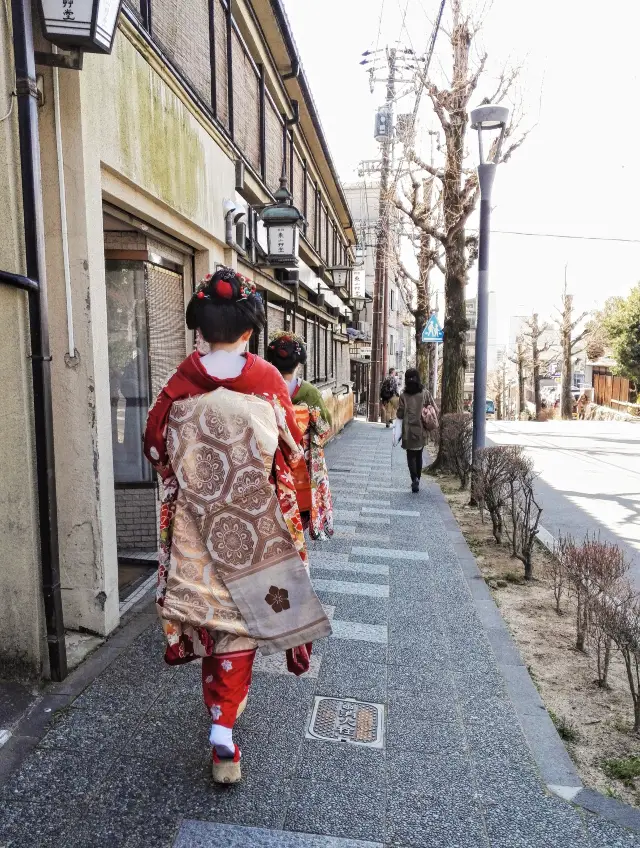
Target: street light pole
{"type": "Point", "coordinates": [486, 176]}
{"type": "Point", "coordinates": [486, 118]}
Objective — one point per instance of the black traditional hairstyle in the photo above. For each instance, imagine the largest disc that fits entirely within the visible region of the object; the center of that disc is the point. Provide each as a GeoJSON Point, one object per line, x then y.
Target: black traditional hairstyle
{"type": "Point", "coordinates": [224, 306]}
{"type": "Point", "coordinates": [412, 384]}
{"type": "Point", "coordinates": [286, 350]}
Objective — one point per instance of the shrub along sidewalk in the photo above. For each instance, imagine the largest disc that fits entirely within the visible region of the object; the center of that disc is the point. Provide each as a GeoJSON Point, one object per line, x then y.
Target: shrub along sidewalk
{"type": "Point", "coordinates": [577, 623]}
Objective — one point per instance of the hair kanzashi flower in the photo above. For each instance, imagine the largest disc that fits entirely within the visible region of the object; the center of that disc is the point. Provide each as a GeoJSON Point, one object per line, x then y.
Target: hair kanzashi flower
{"type": "Point", "coordinates": [247, 287]}
{"type": "Point", "coordinates": [282, 338]}
{"type": "Point", "coordinates": [220, 285]}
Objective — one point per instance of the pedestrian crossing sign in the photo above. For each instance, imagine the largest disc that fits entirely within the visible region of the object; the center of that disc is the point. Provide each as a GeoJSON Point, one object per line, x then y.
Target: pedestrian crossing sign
{"type": "Point", "coordinates": [433, 331]}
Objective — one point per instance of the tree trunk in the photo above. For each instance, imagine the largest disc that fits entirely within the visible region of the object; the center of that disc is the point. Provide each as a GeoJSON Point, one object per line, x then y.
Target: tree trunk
{"type": "Point", "coordinates": [536, 378]}
{"type": "Point", "coordinates": [454, 354]}
{"type": "Point", "coordinates": [604, 660]}
{"type": "Point", "coordinates": [567, 398]}
{"type": "Point", "coordinates": [423, 309]}
{"type": "Point", "coordinates": [521, 404]}
{"type": "Point", "coordinates": [528, 567]}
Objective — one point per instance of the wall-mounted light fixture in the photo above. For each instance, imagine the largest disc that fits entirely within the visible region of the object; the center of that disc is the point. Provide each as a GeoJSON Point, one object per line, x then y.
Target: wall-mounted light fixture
{"type": "Point", "coordinates": [89, 25]}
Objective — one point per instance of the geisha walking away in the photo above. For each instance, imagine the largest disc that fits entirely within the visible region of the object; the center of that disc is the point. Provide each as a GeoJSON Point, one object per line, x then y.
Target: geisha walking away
{"type": "Point", "coordinates": [232, 572]}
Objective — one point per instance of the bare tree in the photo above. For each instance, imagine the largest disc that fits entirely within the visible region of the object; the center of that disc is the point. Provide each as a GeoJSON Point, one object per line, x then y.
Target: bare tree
{"type": "Point", "coordinates": [595, 570]}
{"type": "Point", "coordinates": [557, 574]}
{"type": "Point", "coordinates": [455, 443]}
{"type": "Point", "coordinates": [423, 208]}
{"type": "Point", "coordinates": [525, 512]}
{"type": "Point", "coordinates": [495, 469]}
{"type": "Point", "coordinates": [532, 334]}
{"type": "Point", "coordinates": [520, 360]}
{"type": "Point", "coordinates": [495, 390]}
{"type": "Point", "coordinates": [620, 619]}
{"type": "Point", "coordinates": [458, 188]}
{"type": "Point", "coordinates": [569, 343]}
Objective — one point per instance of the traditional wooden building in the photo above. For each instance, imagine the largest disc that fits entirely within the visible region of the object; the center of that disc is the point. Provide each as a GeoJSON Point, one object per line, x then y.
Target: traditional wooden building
{"type": "Point", "coordinates": [155, 161]}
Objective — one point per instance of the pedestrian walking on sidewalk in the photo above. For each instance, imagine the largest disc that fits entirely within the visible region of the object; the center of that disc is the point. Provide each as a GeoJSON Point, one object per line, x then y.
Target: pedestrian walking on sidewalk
{"type": "Point", "coordinates": [389, 397]}
{"type": "Point", "coordinates": [287, 352]}
{"type": "Point", "coordinates": [232, 573]}
{"type": "Point", "coordinates": [417, 416]}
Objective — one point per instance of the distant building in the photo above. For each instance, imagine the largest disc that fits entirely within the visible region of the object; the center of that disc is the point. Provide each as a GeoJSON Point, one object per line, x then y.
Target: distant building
{"type": "Point", "coordinates": [363, 199]}
{"type": "Point", "coordinates": [492, 344]}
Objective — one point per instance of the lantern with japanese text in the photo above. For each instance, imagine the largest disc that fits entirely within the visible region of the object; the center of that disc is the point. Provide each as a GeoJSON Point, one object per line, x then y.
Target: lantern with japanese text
{"type": "Point", "coordinates": [88, 25]}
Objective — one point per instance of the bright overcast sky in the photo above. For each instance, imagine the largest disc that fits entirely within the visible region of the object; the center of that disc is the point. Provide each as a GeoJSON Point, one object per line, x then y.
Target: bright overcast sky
{"type": "Point", "coordinates": [577, 174]}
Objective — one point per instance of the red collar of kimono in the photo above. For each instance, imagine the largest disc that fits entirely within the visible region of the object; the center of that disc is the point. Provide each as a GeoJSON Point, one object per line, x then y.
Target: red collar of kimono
{"type": "Point", "coordinates": [193, 369]}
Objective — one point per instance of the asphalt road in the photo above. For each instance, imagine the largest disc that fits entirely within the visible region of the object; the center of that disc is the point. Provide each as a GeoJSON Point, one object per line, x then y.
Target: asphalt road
{"type": "Point", "coordinates": [589, 477]}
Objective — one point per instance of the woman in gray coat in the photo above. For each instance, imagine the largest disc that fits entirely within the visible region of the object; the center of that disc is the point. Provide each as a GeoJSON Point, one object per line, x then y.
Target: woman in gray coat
{"type": "Point", "coordinates": [414, 429]}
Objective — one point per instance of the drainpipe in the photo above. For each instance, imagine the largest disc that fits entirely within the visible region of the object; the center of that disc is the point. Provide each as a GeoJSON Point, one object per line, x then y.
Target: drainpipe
{"type": "Point", "coordinates": [39, 330]}
{"type": "Point", "coordinates": [71, 345]}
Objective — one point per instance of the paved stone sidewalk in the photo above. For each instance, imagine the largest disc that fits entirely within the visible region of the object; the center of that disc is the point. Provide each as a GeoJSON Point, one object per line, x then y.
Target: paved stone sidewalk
{"type": "Point", "coordinates": [126, 763]}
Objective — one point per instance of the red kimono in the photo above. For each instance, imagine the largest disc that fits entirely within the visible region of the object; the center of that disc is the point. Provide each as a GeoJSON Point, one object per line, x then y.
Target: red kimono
{"type": "Point", "coordinates": [258, 377]}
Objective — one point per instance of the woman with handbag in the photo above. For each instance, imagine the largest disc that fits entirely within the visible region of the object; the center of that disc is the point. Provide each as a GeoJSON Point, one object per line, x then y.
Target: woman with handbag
{"type": "Point", "coordinates": [419, 417]}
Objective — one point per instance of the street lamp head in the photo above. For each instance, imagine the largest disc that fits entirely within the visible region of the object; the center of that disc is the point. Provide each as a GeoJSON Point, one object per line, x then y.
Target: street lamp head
{"type": "Point", "coordinates": [489, 119]}
{"type": "Point", "coordinates": [282, 221]}
{"type": "Point", "coordinates": [358, 302]}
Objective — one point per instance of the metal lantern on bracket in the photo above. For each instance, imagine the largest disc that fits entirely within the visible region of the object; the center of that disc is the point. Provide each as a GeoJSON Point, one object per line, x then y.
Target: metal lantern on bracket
{"type": "Point", "coordinates": [88, 25]}
{"type": "Point", "coordinates": [340, 277]}
{"type": "Point", "coordinates": [282, 222]}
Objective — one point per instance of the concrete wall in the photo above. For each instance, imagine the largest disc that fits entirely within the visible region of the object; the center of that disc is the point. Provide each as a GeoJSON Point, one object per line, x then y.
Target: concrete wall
{"type": "Point", "coordinates": [81, 400]}
{"type": "Point", "coordinates": [22, 649]}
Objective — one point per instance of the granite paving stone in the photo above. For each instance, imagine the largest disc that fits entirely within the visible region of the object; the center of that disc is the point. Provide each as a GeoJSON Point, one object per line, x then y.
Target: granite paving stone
{"type": "Point", "coordinates": [388, 553]}
{"type": "Point", "coordinates": [327, 807]}
{"type": "Point", "coordinates": [453, 819]}
{"type": "Point", "coordinates": [359, 631]}
{"type": "Point", "coordinates": [196, 834]}
{"type": "Point", "coordinates": [355, 651]}
{"type": "Point", "coordinates": [363, 682]}
{"type": "Point", "coordinates": [331, 761]}
{"type": "Point", "coordinates": [344, 587]}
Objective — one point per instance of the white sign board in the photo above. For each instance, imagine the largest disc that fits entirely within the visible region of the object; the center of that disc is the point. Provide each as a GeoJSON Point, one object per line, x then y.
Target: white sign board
{"type": "Point", "coordinates": [358, 283]}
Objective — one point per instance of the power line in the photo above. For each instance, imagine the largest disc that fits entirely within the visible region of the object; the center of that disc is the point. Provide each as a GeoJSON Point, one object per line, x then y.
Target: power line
{"type": "Point", "coordinates": [379, 25]}
{"type": "Point", "coordinates": [423, 82]}
{"type": "Point", "coordinates": [565, 236]}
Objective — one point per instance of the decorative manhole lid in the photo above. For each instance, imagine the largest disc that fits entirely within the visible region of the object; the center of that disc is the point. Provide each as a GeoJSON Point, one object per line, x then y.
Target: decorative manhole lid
{"type": "Point", "coordinates": [347, 720]}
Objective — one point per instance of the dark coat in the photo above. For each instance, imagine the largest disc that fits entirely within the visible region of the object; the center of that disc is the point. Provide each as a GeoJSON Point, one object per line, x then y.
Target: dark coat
{"type": "Point", "coordinates": [414, 434]}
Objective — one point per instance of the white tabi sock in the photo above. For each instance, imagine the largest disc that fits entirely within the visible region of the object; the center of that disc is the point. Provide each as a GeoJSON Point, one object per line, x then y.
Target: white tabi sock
{"type": "Point", "coordinates": [221, 738]}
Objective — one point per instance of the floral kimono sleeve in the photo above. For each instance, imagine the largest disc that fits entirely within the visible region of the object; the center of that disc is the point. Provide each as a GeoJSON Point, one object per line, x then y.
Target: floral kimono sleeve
{"type": "Point", "coordinates": [285, 486]}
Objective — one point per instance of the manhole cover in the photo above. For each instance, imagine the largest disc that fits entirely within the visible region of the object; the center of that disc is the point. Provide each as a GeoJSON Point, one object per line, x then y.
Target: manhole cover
{"type": "Point", "coordinates": [346, 720]}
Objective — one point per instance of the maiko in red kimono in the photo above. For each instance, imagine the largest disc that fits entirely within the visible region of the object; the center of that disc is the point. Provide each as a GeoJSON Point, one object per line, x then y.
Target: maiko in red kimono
{"type": "Point", "coordinates": [259, 378]}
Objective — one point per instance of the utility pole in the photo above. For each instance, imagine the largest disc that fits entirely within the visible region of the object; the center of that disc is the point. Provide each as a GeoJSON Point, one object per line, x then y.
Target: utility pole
{"type": "Point", "coordinates": [379, 342]}
{"type": "Point", "coordinates": [434, 357]}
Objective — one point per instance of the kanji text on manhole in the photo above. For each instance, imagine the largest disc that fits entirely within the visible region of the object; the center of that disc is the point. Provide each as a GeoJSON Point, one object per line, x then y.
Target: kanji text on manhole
{"type": "Point", "coordinates": [346, 720]}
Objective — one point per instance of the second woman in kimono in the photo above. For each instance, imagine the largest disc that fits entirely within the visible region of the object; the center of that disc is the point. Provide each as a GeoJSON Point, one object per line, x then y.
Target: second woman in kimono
{"type": "Point", "coordinates": [232, 575]}
{"type": "Point", "coordinates": [287, 352]}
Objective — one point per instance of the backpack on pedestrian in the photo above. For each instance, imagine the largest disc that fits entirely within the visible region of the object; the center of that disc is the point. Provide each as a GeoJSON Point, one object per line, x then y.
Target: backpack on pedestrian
{"type": "Point", "coordinates": [429, 418]}
{"type": "Point", "coordinates": [388, 389]}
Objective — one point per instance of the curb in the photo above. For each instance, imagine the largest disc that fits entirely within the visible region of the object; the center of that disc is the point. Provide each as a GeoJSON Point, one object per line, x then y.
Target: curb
{"type": "Point", "coordinates": [555, 766]}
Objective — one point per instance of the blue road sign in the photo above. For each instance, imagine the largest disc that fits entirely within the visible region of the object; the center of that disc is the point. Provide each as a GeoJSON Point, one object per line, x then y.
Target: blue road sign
{"type": "Point", "coordinates": [433, 331]}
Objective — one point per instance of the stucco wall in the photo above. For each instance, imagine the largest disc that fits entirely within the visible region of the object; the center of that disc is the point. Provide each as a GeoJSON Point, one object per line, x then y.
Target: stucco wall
{"type": "Point", "coordinates": [149, 137]}
{"type": "Point", "coordinates": [21, 620]}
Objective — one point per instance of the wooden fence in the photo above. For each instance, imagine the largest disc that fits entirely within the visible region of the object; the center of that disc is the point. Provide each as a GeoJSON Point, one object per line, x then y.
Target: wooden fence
{"type": "Point", "coordinates": [608, 388]}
